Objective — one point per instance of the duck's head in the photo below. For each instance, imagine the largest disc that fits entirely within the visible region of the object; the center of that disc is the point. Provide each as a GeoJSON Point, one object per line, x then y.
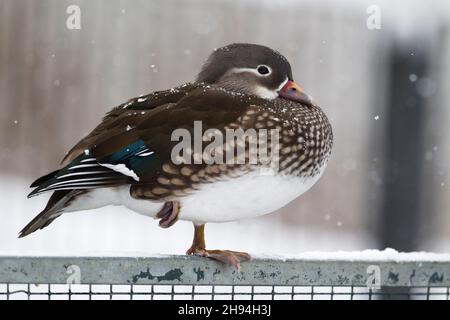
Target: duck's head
{"type": "Point", "coordinates": [252, 69]}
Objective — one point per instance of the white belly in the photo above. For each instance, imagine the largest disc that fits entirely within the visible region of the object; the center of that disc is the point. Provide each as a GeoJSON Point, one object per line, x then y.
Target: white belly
{"type": "Point", "coordinates": [245, 197]}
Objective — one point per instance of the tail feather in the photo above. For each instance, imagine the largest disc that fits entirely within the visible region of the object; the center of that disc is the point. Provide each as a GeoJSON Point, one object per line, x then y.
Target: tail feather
{"type": "Point", "coordinates": [57, 201]}
{"type": "Point", "coordinates": [82, 173]}
{"type": "Point", "coordinates": [44, 179]}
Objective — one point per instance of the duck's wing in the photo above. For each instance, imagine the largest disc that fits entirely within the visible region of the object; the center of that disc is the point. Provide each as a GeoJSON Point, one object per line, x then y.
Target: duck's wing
{"type": "Point", "coordinates": [128, 115]}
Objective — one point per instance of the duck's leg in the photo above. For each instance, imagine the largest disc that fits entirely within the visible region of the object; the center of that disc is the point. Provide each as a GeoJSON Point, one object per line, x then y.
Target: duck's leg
{"type": "Point", "coordinates": [232, 258]}
{"type": "Point", "coordinates": [168, 214]}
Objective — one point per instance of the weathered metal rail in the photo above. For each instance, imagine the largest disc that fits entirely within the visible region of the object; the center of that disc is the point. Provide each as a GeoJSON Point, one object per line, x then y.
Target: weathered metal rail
{"type": "Point", "coordinates": [183, 270]}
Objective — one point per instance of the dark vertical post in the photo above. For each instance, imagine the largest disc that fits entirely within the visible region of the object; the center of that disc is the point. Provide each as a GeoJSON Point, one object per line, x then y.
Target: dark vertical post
{"type": "Point", "coordinates": [400, 212]}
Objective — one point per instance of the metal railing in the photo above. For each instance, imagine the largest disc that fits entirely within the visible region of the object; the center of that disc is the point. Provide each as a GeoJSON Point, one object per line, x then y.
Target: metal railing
{"type": "Point", "coordinates": [182, 277]}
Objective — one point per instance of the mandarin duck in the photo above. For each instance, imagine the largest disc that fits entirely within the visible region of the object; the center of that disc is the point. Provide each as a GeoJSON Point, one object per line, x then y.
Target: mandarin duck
{"type": "Point", "coordinates": [133, 157]}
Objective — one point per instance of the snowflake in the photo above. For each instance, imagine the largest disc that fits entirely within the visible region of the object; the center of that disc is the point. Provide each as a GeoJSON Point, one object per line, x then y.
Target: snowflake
{"type": "Point", "coordinates": [413, 77]}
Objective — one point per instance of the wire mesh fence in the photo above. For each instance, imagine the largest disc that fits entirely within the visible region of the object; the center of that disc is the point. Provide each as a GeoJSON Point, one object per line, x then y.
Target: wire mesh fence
{"type": "Point", "coordinates": [202, 292]}
{"type": "Point", "coordinates": [188, 278]}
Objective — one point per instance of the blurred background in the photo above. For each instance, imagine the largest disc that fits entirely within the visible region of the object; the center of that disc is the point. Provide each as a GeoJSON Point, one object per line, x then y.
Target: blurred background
{"type": "Point", "coordinates": [383, 83]}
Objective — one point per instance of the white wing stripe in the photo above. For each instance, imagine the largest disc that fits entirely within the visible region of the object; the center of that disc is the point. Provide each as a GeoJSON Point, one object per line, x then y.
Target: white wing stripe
{"type": "Point", "coordinates": [80, 173]}
{"type": "Point", "coordinates": [88, 160]}
{"type": "Point", "coordinates": [77, 185]}
{"type": "Point", "coordinates": [83, 166]}
{"type": "Point", "coordinates": [93, 180]}
{"type": "Point", "coordinates": [142, 151]}
{"type": "Point", "coordinates": [145, 154]}
{"type": "Point", "coordinates": [121, 168]}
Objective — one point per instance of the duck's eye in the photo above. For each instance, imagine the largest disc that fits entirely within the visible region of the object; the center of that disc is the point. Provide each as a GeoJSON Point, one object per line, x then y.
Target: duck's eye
{"type": "Point", "coordinates": [263, 70]}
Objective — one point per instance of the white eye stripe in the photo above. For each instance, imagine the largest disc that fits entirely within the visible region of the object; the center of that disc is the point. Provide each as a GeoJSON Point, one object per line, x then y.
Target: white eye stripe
{"type": "Point", "coordinates": [251, 70]}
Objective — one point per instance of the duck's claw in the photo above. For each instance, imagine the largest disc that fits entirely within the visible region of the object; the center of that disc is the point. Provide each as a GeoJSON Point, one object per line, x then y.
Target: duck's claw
{"type": "Point", "coordinates": [228, 257]}
{"type": "Point", "coordinates": [168, 214]}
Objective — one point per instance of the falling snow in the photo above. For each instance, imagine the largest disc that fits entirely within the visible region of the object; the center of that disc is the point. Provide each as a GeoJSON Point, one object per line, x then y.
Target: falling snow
{"type": "Point", "coordinates": [413, 77]}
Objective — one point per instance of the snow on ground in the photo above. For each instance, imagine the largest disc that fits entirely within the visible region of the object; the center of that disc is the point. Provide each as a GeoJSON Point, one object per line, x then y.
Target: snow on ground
{"type": "Point", "coordinates": [387, 254]}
